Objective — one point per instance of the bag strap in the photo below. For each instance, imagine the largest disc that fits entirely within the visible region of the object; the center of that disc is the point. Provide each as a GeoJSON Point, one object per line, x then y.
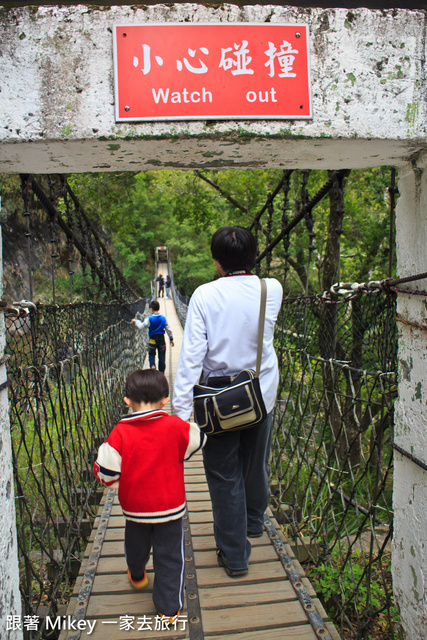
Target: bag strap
{"type": "Point", "coordinates": [261, 323]}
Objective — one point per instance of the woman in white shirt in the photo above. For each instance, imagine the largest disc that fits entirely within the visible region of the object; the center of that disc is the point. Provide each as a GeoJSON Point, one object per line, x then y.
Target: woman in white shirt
{"type": "Point", "coordinates": [220, 339]}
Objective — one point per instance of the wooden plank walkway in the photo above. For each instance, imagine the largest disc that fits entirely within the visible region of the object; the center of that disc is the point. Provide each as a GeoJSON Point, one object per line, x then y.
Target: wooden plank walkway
{"type": "Point", "coordinates": [274, 600]}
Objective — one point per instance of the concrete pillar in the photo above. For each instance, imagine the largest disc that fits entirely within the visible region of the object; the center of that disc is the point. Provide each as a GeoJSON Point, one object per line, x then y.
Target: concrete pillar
{"type": "Point", "coordinates": [409, 560]}
{"type": "Point", "coordinates": [10, 599]}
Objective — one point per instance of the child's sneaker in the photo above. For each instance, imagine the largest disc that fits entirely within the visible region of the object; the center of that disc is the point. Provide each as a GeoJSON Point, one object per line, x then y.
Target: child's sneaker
{"type": "Point", "coordinates": [169, 619]}
{"type": "Point", "coordinates": [138, 584]}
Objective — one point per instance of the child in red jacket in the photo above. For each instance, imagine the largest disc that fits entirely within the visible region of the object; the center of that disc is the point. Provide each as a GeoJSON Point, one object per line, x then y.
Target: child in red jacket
{"type": "Point", "coordinates": [144, 458]}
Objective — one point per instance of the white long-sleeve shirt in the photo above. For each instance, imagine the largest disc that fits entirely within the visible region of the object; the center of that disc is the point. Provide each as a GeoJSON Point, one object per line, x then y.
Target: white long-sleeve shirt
{"type": "Point", "coordinates": [220, 337]}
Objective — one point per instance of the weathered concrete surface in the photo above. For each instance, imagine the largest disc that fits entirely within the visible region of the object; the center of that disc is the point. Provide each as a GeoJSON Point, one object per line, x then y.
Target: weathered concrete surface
{"type": "Point", "coordinates": [327, 4]}
{"type": "Point", "coordinates": [370, 108]}
{"type": "Point", "coordinates": [410, 480]}
{"type": "Point", "coordinates": [10, 599]}
{"type": "Point", "coordinates": [57, 102]}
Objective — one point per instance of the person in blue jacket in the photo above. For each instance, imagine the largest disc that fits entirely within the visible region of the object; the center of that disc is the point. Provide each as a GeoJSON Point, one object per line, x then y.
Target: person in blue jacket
{"type": "Point", "coordinates": [157, 326]}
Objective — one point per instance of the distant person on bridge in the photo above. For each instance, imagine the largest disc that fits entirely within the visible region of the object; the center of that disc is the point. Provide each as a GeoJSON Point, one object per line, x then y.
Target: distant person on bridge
{"type": "Point", "coordinates": [157, 326]}
{"type": "Point", "coordinates": [144, 458]}
{"type": "Point", "coordinates": [220, 339]}
{"type": "Point", "coordinates": [168, 285]}
{"type": "Point", "coordinates": [161, 285]}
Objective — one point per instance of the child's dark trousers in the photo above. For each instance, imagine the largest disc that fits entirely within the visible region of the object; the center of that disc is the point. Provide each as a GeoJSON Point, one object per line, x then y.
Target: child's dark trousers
{"type": "Point", "coordinates": [157, 343]}
{"type": "Point", "coordinates": [167, 541]}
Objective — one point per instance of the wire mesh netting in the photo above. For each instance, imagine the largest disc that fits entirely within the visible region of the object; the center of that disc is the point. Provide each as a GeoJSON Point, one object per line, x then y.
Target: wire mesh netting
{"type": "Point", "coordinates": [67, 369]}
{"type": "Point", "coordinates": [331, 465]}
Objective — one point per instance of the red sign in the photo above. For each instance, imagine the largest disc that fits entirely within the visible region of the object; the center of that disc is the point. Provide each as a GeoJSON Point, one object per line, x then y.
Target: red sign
{"type": "Point", "coordinates": [211, 71]}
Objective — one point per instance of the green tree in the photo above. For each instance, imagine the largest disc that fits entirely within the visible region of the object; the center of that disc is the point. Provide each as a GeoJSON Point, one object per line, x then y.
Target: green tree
{"type": "Point", "coordinates": [137, 211]}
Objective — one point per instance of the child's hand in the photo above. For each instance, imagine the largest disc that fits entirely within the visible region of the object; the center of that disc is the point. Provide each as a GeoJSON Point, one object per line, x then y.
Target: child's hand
{"type": "Point", "coordinates": [133, 320]}
{"type": "Point", "coordinates": [172, 343]}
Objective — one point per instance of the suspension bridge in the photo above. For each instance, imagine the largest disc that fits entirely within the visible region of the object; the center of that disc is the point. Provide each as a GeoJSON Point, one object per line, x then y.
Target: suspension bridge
{"type": "Point", "coordinates": [275, 598]}
{"type": "Point", "coordinates": [330, 517]}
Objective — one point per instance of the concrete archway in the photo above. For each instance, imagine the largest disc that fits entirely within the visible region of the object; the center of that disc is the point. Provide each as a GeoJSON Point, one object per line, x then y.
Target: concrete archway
{"type": "Point", "coordinates": [368, 79]}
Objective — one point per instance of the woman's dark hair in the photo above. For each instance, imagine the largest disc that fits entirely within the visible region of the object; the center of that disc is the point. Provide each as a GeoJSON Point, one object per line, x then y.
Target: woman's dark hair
{"type": "Point", "coordinates": [234, 248]}
{"type": "Point", "coordinates": [146, 385]}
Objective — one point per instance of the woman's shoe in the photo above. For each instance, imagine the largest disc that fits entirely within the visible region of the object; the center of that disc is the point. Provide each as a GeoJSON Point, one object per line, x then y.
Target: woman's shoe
{"type": "Point", "coordinates": [138, 584]}
{"type": "Point", "coordinates": [233, 573]}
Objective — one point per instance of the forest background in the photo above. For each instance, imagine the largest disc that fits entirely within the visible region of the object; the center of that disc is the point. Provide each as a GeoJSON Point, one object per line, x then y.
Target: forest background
{"type": "Point", "coordinates": [135, 212]}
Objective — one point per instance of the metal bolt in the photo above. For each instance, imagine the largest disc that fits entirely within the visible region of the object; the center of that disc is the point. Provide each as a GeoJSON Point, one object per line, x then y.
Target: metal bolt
{"type": "Point", "coordinates": [124, 35]}
{"type": "Point", "coordinates": [127, 108]}
{"type": "Point", "coordinates": [297, 35]}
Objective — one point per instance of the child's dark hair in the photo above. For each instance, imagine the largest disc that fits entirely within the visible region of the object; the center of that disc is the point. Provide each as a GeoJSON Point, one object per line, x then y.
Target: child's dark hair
{"type": "Point", "coordinates": [146, 385]}
{"type": "Point", "coordinates": [234, 248]}
{"type": "Point", "coordinates": [154, 305]}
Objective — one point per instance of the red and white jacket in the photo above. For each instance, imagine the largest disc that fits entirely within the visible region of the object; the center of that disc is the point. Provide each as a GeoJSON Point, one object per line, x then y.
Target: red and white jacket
{"type": "Point", "coordinates": [144, 458]}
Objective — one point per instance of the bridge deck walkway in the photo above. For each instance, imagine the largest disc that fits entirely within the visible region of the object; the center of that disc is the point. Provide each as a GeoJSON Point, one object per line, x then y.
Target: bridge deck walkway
{"type": "Point", "coordinates": [274, 600]}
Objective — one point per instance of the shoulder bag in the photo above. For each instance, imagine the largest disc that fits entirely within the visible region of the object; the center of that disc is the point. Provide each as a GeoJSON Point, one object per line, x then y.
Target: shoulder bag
{"type": "Point", "coordinates": [229, 403]}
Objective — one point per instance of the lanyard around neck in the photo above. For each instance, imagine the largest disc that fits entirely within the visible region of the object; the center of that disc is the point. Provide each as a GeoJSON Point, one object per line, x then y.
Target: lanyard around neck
{"type": "Point", "coordinates": [238, 272]}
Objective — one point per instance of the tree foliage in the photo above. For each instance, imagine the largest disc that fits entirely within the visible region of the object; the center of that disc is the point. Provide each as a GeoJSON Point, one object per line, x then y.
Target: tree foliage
{"type": "Point", "coordinates": [136, 212]}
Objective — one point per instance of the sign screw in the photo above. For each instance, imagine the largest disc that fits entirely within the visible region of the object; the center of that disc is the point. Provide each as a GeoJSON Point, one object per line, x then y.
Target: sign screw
{"type": "Point", "coordinates": [127, 108]}
{"type": "Point", "coordinates": [124, 35]}
{"type": "Point", "coordinates": [297, 35]}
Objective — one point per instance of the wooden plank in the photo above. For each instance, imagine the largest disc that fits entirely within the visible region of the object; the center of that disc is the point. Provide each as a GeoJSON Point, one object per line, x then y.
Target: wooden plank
{"type": "Point", "coordinates": [193, 495]}
{"type": "Point", "coordinates": [236, 594]}
{"type": "Point", "coordinates": [114, 533]}
{"type": "Point", "coordinates": [214, 576]}
{"type": "Point", "coordinates": [116, 521]}
{"type": "Point", "coordinates": [116, 564]}
{"type": "Point", "coordinates": [113, 548]}
{"type": "Point", "coordinates": [260, 553]}
{"type": "Point", "coordinates": [202, 528]}
{"type": "Point", "coordinates": [195, 479]}
{"type": "Point", "coordinates": [111, 630]}
{"type": "Point", "coordinates": [135, 603]}
{"type": "Point", "coordinates": [332, 631]}
{"type": "Point", "coordinates": [200, 516]}
{"type": "Point", "coordinates": [304, 632]}
{"type": "Point", "coordinates": [198, 470]}
{"type": "Point", "coordinates": [260, 616]}
{"type": "Point", "coordinates": [204, 542]}
{"type": "Point", "coordinates": [115, 583]}
{"type": "Point", "coordinates": [200, 505]}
